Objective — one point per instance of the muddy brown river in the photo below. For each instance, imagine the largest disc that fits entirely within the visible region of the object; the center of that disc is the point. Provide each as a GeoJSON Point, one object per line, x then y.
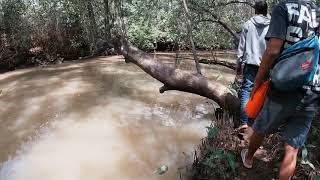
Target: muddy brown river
{"type": "Point", "coordinates": [97, 119]}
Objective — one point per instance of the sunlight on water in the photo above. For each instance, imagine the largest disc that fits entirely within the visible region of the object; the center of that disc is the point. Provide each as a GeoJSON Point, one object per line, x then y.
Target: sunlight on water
{"type": "Point", "coordinates": [105, 146]}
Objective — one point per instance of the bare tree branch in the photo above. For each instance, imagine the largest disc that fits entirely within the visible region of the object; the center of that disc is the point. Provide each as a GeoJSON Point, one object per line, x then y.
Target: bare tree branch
{"type": "Point", "coordinates": [218, 20]}
{"type": "Point", "coordinates": [236, 2]}
{"type": "Point", "coordinates": [220, 4]}
{"type": "Point", "coordinates": [224, 25]}
{"type": "Point", "coordinates": [176, 79]}
{"type": "Point", "coordinates": [206, 20]}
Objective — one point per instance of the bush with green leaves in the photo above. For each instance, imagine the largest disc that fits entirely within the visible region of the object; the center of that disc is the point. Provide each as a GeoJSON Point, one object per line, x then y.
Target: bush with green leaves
{"type": "Point", "coordinates": [221, 160]}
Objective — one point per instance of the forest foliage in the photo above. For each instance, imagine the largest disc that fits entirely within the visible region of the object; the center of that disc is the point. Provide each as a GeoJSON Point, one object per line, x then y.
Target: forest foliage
{"type": "Point", "coordinates": [34, 32]}
{"type": "Point", "coordinates": [39, 32]}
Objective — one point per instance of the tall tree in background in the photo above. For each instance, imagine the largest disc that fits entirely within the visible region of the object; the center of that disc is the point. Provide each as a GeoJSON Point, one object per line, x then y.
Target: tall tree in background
{"type": "Point", "coordinates": [55, 39]}
{"type": "Point", "coordinates": [190, 29]}
{"type": "Point", "coordinates": [107, 19]}
{"type": "Point", "coordinates": [15, 33]}
{"type": "Point", "coordinates": [13, 22]}
{"type": "Point", "coordinates": [93, 27]}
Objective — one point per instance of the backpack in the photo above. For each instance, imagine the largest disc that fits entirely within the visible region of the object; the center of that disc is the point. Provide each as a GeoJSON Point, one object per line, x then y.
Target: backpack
{"type": "Point", "coordinates": [297, 65]}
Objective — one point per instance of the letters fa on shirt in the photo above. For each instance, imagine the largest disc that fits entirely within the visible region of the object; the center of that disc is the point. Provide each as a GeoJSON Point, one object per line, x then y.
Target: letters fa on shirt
{"type": "Point", "coordinates": [304, 18]}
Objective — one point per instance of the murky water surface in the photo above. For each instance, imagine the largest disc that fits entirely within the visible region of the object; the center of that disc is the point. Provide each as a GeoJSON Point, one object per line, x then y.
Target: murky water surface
{"type": "Point", "coordinates": [97, 119]}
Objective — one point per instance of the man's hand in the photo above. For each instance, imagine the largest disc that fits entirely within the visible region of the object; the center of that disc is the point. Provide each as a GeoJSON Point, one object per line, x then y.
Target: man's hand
{"type": "Point", "coordinates": [239, 71]}
{"type": "Point", "coordinates": [253, 91]}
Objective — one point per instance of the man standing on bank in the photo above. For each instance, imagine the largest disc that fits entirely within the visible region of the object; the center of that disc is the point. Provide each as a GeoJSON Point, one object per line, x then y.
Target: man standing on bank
{"type": "Point", "coordinates": [291, 22]}
{"type": "Point", "coordinates": [252, 45]}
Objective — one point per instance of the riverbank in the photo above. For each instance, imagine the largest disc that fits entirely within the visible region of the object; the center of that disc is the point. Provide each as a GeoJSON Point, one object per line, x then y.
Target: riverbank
{"type": "Point", "coordinates": [218, 155]}
{"type": "Point", "coordinates": [37, 58]}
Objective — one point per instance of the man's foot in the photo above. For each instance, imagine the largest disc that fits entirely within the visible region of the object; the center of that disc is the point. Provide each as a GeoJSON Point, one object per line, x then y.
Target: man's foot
{"type": "Point", "coordinates": [245, 162]}
{"type": "Point", "coordinates": [242, 128]}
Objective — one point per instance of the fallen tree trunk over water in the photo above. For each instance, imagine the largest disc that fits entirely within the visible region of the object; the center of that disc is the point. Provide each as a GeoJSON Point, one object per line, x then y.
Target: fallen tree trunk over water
{"type": "Point", "coordinates": [176, 79]}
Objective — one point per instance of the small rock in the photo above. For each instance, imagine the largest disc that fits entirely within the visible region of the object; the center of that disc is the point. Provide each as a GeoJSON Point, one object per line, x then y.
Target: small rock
{"type": "Point", "coordinates": [162, 170]}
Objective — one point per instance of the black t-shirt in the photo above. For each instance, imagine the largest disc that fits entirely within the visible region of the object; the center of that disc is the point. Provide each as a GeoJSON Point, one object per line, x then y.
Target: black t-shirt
{"type": "Point", "coordinates": [293, 20]}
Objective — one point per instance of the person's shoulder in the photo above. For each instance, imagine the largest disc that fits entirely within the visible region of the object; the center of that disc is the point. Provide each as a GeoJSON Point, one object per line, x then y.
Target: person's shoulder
{"type": "Point", "coordinates": [281, 7]}
{"type": "Point", "coordinates": [282, 4]}
{"type": "Point", "coordinates": [246, 25]}
{"type": "Point", "coordinates": [248, 22]}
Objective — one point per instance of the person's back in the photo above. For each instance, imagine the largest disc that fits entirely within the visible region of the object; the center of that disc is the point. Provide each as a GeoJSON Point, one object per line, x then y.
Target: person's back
{"type": "Point", "coordinates": [255, 45]}
{"type": "Point", "coordinates": [251, 48]}
{"type": "Point", "coordinates": [298, 20]}
{"type": "Point", "coordinates": [290, 112]}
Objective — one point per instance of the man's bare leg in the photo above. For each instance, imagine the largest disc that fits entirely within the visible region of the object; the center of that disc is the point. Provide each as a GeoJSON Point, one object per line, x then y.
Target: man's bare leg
{"type": "Point", "coordinates": [289, 163]}
{"type": "Point", "coordinates": [254, 144]}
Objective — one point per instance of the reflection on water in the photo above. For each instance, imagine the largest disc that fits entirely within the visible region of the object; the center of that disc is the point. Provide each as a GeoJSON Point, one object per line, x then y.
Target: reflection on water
{"type": "Point", "coordinates": [99, 119]}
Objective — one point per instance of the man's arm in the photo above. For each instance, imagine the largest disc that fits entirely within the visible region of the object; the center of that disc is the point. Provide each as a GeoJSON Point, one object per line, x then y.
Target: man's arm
{"type": "Point", "coordinates": [276, 35]}
{"type": "Point", "coordinates": [273, 50]}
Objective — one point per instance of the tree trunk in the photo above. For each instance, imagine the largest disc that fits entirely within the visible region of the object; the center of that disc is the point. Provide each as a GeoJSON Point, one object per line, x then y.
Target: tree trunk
{"type": "Point", "coordinates": [107, 19]}
{"type": "Point", "coordinates": [55, 42]}
{"type": "Point", "coordinates": [176, 79]}
{"type": "Point", "coordinates": [93, 27]}
{"type": "Point", "coordinates": [177, 60]}
{"type": "Point", "coordinates": [189, 28]}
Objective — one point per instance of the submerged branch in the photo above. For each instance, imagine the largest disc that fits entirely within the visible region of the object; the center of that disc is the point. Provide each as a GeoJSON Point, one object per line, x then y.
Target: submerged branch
{"type": "Point", "coordinates": [227, 64]}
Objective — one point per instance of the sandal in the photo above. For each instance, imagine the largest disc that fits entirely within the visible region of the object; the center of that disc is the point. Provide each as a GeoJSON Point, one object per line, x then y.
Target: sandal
{"type": "Point", "coordinates": [244, 153]}
{"type": "Point", "coordinates": [242, 128]}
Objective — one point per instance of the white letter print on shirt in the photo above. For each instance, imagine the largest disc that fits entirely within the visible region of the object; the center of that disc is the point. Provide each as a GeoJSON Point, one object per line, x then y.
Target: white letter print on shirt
{"type": "Point", "coordinates": [304, 15]}
{"type": "Point", "coordinates": [292, 10]}
{"type": "Point", "coordinates": [295, 33]}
